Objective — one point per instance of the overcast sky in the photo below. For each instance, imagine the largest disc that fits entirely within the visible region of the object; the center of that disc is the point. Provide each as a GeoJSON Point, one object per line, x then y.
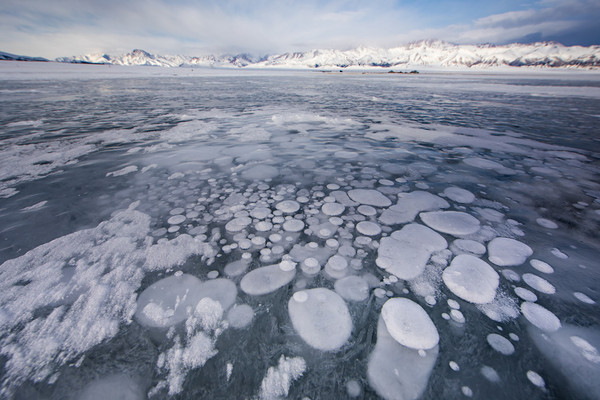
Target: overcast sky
{"type": "Point", "coordinates": [53, 28]}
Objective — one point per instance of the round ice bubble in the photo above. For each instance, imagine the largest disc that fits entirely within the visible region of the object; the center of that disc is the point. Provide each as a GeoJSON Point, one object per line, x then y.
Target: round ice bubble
{"type": "Point", "coordinates": [471, 279]}
{"type": "Point", "coordinates": [321, 318]}
{"type": "Point", "coordinates": [500, 344]}
{"type": "Point", "coordinates": [408, 323]}
{"type": "Point", "coordinates": [507, 252]}
{"type": "Point", "coordinates": [265, 280]}
{"type": "Point", "coordinates": [452, 222]}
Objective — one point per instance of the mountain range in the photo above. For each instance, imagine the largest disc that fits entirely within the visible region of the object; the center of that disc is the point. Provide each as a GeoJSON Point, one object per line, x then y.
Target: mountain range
{"type": "Point", "coordinates": [423, 53]}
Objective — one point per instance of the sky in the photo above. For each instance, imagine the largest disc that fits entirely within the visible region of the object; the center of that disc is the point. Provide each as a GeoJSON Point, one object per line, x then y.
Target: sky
{"type": "Point", "coordinates": [55, 28]}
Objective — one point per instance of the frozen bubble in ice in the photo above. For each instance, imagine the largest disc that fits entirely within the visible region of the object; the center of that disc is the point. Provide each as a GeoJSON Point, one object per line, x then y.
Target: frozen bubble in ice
{"type": "Point", "coordinates": [176, 211]}
{"type": "Point", "coordinates": [287, 265]}
{"type": "Point", "coordinates": [353, 388]}
{"type": "Point", "coordinates": [263, 226]}
{"type": "Point", "coordinates": [514, 337]}
{"type": "Point", "coordinates": [333, 209]}
{"type": "Point", "coordinates": [275, 237]}
{"type": "Point", "coordinates": [546, 223]}
{"type": "Point", "coordinates": [465, 246]}
{"type": "Point", "coordinates": [118, 387]}
{"type": "Point", "coordinates": [212, 274]}
{"type": "Point", "coordinates": [511, 275]}
{"type": "Point", "coordinates": [539, 284]}
{"type": "Point", "coordinates": [366, 210]}
{"type": "Point", "coordinates": [265, 280]}
{"type": "Point", "coordinates": [369, 197]}
{"type": "Point", "coordinates": [453, 304]}
{"type": "Point", "coordinates": [454, 366]}
{"type": "Point", "coordinates": [166, 302]}
{"type": "Point", "coordinates": [352, 288]}
{"type": "Point", "coordinates": [336, 266]}
{"type": "Point", "coordinates": [368, 228]}
{"type": "Point", "coordinates": [490, 374]}
{"type": "Point", "coordinates": [345, 154]}
{"type": "Point", "coordinates": [452, 222]}
{"type": "Point", "coordinates": [240, 316]}
{"type": "Point", "coordinates": [260, 172]}
{"type": "Point", "coordinates": [310, 266]}
{"type": "Point", "coordinates": [525, 294]}
{"type": "Point", "coordinates": [288, 206]}
{"type": "Point", "coordinates": [457, 316]}
{"type": "Point", "coordinates": [583, 298]}
{"type": "Point", "coordinates": [276, 384]}
{"type": "Point", "coordinates": [293, 225]}
{"type": "Point", "coordinates": [405, 252]}
{"type": "Point", "coordinates": [300, 296]}
{"type": "Point", "coordinates": [508, 252]}
{"type": "Point", "coordinates": [409, 205]}
{"type": "Point", "coordinates": [482, 163]}
{"type": "Point", "coordinates": [397, 372]}
{"type": "Point", "coordinates": [176, 219]}
{"type": "Point", "coordinates": [471, 279]}
{"type": "Point", "coordinates": [173, 228]}
{"type": "Point", "coordinates": [467, 391]}
{"type": "Point", "coordinates": [536, 379]}
{"type": "Point", "coordinates": [322, 320]}
{"type": "Point", "coordinates": [332, 243]}
{"type": "Point", "coordinates": [409, 324]}
{"type": "Point", "coordinates": [237, 224]}
{"type": "Point", "coordinates": [260, 212]}
{"type": "Point", "coordinates": [559, 254]}
{"type": "Point", "coordinates": [459, 195]}
{"type": "Point", "coordinates": [541, 266]}
{"type": "Point", "coordinates": [501, 344]}
{"type": "Point", "coordinates": [540, 317]}
{"type": "Point", "coordinates": [258, 240]}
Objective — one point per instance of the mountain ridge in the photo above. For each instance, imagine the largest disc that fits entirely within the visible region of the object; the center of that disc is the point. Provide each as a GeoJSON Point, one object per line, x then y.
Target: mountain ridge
{"type": "Point", "coordinates": [434, 53]}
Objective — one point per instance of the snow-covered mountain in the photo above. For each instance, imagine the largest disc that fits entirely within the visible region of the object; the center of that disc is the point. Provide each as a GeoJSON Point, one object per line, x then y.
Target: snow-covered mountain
{"type": "Point", "coordinates": [422, 53]}
{"type": "Point", "coordinates": [15, 57]}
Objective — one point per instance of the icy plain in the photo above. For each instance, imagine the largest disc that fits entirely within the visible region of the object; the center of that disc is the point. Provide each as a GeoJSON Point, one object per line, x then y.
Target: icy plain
{"type": "Point", "coordinates": [307, 235]}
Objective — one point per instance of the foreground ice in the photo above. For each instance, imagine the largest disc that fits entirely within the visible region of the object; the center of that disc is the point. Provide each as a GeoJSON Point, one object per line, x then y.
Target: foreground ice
{"type": "Point", "coordinates": [275, 224]}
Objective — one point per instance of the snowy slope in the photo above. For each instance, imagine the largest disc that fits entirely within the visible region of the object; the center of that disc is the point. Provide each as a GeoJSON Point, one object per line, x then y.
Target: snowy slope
{"type": "Point", "coordinates": [423, 53]}
{"type": "Point", "coordinates": [14, 57]}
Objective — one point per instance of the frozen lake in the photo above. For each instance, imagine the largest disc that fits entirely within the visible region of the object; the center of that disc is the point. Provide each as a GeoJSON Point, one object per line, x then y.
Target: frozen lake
{"type": "Point", "coordinates": [268, 234]}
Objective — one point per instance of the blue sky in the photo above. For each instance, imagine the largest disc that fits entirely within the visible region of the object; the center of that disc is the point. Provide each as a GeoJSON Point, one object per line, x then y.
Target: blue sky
{"type": "Point", "coordinates": [53, 28]}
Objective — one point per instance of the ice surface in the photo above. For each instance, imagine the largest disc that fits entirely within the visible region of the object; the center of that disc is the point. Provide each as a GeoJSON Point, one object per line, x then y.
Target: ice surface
{"type": "Point", "coordinates": [573, 351]}
{"type": "Point", "coordinates": [397, 372]}
{"type": "Point", "coordinates": [540, 317]}
{"type": "Point", "coordinates": [409, 205]}
{"type": "Point", "coordinates": [453, 222]}
{"type": "Point", "coordinates": [406, 252]}
{"type": "Point", "coordinates": [118, 387]}
{"type": "Point", "coordinates": [471, 279]}
{"type": "Point", "coordinates": [123, 171]}
{"type": "Point", "coordinates": [265, 280]}
{"type": "Point", "coordinates": [321, 318]}
{"type": "Point", "coordinates": [369, 197]}
{"type": "Point", "coordinates": [507, 252]}
{"type": "Point", "coordinates": [409, 324]}
{"type": "Point", "coordinates": [276, 384]}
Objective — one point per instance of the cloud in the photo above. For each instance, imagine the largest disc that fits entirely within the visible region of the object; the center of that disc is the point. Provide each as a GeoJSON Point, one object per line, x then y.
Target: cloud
{"type": "Point", "coordinates": [70, 27]}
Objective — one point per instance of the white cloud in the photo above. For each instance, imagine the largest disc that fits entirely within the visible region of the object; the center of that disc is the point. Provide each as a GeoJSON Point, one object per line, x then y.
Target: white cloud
{"type": "Point", "coordinates": [70, 27]}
